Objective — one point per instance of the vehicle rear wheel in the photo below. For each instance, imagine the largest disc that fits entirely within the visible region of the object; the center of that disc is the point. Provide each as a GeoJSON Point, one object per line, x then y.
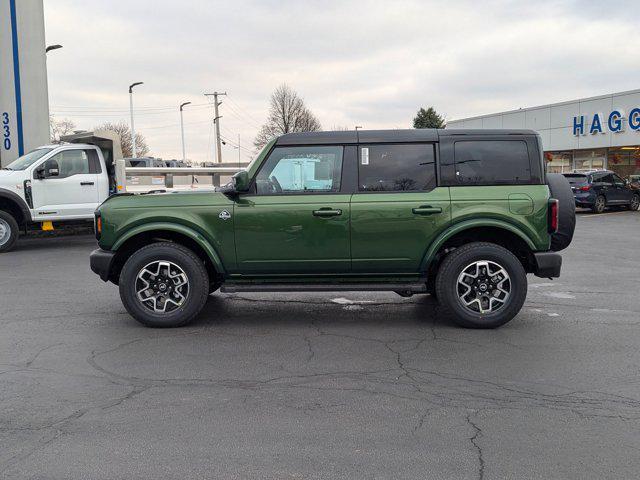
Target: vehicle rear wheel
{"type": "Point", "coordinates": [599, 205]}
{"type": "Point", "coordinates": [164, 285]}
{"type": "Point", "coordinates": [481, 285]}
{"type": "Point", "coordinates": [635, 202]}
{"type": "Point", "coordinates": [9, 231]}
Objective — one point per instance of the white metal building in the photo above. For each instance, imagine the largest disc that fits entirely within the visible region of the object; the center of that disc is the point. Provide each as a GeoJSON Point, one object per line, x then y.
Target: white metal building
{"type": "Point", "coordinates": [596, 132]}
{"type": "Point", "coordinates": [24, 100]}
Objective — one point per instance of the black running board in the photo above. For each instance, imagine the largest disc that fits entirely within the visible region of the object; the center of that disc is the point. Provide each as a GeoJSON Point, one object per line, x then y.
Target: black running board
{"type": "Point", "coordinates": [402, 288]}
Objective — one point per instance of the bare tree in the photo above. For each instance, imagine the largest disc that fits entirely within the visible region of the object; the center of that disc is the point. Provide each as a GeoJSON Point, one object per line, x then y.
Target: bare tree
{"type": "Point", "coordinates": [60, 128]}
{"type": "Point", "coordinates": [287, 113]}
{"type": "Point", "coordinates": [124, 132]}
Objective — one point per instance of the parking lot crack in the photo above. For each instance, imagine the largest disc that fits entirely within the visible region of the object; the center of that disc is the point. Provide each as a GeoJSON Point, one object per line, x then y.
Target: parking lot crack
{"type": "Point", "coordinates": [475, 441]}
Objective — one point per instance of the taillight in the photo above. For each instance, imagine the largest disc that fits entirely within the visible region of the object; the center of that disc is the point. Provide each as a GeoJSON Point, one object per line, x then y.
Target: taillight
{"type": "Point", "coordinates": [98, 226]}
{"type": "Point", "coordinates": [585, 188]}
{"type": "Point", "coordinates": [554, 212]}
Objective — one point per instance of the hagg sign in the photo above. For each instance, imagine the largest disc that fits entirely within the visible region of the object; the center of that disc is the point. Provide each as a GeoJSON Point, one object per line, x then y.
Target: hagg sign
{"type": "Point", "coordinates": [599, 123]}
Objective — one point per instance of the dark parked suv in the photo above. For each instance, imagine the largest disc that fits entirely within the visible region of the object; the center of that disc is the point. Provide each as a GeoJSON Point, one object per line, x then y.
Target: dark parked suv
{"type": "Point", "coordinates": [599, 189]}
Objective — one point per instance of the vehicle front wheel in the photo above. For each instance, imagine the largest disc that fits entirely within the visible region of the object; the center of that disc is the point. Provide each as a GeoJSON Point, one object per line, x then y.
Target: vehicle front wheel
{"type": "Point", "coordinates": [599, 205]}
{"type": "Point", "coordinates": [9, 231]}
{"type": "Point", "coordinates": [164, 285]}
{"type": "Point", "coordinates": [481, 285]}
{"type": "Point", "coordinates": [635, 202]}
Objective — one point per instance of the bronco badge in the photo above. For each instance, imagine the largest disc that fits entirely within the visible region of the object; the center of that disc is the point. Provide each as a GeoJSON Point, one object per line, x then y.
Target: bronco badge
{"type": "Point", "coordinates": [224, 215]}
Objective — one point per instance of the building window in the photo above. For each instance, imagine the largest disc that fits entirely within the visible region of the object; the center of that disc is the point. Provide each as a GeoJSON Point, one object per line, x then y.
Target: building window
{"type": "Point", "coordinates": [559, 162]}
{"type": "Point", "coordinates": [625, 161]}
{"type": "Point", "coordinates": [590, 159]}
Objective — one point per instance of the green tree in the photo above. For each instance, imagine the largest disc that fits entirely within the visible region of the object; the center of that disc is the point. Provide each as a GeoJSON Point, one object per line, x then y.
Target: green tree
{"type": "Point", "coordinates": [428, 118]}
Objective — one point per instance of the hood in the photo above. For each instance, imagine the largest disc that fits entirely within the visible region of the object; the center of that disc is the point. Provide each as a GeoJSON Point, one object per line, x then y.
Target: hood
{"type": "Point", "coordinates": [11, 176]}
{"type": "Point", "coordinates": [168, 199]}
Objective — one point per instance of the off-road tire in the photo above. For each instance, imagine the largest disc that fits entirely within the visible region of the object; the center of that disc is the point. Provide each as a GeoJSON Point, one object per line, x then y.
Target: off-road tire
{"type": "Point", "coordinates": [14, 231]}
{"type": "Point", "coordinates": [447, 285]}
{"type": "Point", "coordinates": [634, 204]}
{"type": "Point", "coordinates": [599, 205]}
{"type": "Point", "coordinates": [191, 265]}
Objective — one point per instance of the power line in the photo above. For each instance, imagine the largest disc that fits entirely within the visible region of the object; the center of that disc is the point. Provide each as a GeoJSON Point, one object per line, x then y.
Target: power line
{"type": "Point", "coordinates": [244, 111]}
{"type": "Point", "coordinates": [111, 109]}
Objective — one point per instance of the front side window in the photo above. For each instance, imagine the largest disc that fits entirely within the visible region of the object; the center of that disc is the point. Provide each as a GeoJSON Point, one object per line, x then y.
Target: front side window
{"type": "Point", "coordinates": [69, 163]}
{"type": "Point", "coordinates": [492, 162]}
{"type": "Point", "coordinates": [301, 170]}
{"type": "Point", "coordinates": [28, 159]}
{"type": "Point", "coordinates": [396, 167]}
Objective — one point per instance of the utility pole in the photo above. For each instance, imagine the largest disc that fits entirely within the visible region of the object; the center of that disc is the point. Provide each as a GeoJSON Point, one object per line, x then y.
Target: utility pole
{"type": "Point", "coordinates": [133, 132]}
{"type": "Point", "coordinates": [184, 156]}
{"type": "Point", "coordinates": [216, 121]}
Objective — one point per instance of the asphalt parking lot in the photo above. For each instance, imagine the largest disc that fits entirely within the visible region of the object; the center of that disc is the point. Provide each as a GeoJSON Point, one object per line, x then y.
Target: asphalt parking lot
{"type": "Point", "coordinates": [355, 385]}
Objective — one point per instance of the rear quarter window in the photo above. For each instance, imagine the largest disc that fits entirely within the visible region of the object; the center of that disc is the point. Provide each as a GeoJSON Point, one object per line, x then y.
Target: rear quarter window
{"type": "Point", "coordinates": [576, 179]}
{"type": "Point", "coordinates": [492, 162]}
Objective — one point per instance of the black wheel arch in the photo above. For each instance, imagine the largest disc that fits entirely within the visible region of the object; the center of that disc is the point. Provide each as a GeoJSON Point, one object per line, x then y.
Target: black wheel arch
{"type": "Point", "coordinates": [16, 206]}
{"type": "Point", "coordinates": [143, 239]}
{"type": "Point", "coordinates": [496, 235]}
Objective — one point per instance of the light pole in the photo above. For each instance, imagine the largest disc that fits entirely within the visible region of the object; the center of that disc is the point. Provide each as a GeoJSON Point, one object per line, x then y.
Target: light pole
{"type": "Point", "coordinates": [52, 47]}
{"type": "Point", "coordinates": [182, 129]}
{"type": "Point", "coordinates": [133, 133]}
{"type": "Point", "coordinates": [216, 121]}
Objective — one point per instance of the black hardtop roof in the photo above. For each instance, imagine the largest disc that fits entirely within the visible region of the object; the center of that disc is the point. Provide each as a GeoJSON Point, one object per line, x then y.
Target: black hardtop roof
{"type": "Point", "coordinates": [387, 136]}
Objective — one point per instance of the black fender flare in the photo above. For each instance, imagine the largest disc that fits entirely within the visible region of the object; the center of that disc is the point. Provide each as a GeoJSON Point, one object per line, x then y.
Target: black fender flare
{"type": "Point", "coordinates": [19, 201]}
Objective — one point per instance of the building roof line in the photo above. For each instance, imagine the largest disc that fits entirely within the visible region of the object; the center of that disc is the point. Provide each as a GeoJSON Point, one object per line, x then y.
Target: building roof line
{"type": "Point", "coordinates": [538, 107]}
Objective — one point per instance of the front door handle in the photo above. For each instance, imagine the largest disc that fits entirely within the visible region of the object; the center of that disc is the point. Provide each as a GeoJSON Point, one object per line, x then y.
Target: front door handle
{"type": "Point", "coordinates": [327, 212]}
{"type": "Point", "coordinates": [426, 210]}
{"type": "Point", "coordinates": [84, 184]}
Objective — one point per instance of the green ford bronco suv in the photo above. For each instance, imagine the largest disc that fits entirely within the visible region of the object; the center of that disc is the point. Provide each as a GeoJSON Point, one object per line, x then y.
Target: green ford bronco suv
{"type": "Point", "coordinates": [461, 214]}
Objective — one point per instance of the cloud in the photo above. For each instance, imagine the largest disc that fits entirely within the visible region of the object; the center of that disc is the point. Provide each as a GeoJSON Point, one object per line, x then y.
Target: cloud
{"type": "Point", "coordinates": [369, 63]}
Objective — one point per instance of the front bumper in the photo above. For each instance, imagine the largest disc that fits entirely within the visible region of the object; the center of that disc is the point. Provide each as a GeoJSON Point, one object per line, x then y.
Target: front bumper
{"type": "Point", "coordinates": [548, 264]}
{"type": "Point", "coordinates": [101, 262]}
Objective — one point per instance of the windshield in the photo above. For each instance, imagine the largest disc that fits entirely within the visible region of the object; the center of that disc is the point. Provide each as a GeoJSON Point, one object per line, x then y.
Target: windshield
{"type": "Point", "coordinates": [576, 179]}
{"type": "Point", "coordinates": [27, 160]}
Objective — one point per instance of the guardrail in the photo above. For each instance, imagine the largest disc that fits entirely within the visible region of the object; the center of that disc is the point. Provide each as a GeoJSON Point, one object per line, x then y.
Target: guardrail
{"type": "Point", "coordinates": [168, 173]}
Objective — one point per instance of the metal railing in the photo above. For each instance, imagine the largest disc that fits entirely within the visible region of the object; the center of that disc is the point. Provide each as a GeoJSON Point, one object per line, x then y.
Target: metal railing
{"type": "Point", "coordinates": [163, 177]}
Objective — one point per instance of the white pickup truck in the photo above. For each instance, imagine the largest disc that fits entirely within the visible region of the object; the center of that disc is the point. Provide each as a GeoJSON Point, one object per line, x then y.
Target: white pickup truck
{"type": "Point", "coordinates": [58, 184]}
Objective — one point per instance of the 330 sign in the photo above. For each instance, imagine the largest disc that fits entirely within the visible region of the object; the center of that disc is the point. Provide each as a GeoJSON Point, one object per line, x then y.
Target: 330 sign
{"type": "Point", "coordinates": [6, 131]}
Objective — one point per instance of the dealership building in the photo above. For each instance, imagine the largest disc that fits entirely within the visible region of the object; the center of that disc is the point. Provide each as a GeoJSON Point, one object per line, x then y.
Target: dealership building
{"type": "Point", "coordinates": [590, 133]}
{"type": "Point", "coordinates": [24, 99]}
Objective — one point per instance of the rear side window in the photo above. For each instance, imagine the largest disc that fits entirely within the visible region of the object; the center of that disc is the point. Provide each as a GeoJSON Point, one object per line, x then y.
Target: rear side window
{"type": "Point", "coordinates": [492, 162]}
{"type": "Point", "coordinates": [94, 162]}
{"type": "Point", "coordinates": [604, 178]}
{"type": "Point", "coordinates": [396, 167]}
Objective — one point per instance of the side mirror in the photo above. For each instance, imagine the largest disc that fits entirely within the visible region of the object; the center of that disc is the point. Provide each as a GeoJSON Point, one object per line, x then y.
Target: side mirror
{"type": "Point", "coordinates": [627, 182]}
{"type": "Point", "coordinates": [240, 181]}
{"type": "Point", "coordinates": [47, 169]}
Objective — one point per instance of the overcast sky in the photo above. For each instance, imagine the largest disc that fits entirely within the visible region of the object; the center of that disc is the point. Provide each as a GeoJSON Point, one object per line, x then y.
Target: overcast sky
{"type": "Point", "coordinates": [355, 63]}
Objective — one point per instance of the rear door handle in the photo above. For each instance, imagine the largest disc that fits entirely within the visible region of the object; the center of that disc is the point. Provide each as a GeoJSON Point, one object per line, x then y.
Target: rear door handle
{"type": "Point", "coordinates": [327, 212]}
{"type": "Point", "coordinates": [426, 210]}
{"type": "Point", "coordinates": [86, 183]}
